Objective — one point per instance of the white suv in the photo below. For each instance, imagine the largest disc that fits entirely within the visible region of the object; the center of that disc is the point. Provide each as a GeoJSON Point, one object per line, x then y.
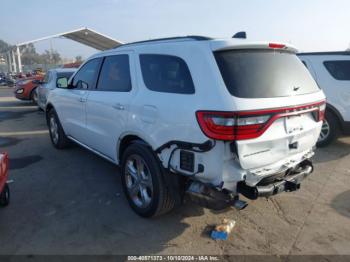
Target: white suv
{"type": "Point", "coordinates": [207, 117]}
{"type": "Point", "coordinates": [331, 70]}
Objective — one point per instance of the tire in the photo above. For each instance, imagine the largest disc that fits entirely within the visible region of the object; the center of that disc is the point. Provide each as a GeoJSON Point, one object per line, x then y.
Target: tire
{"type": "Point", "coordinates": [144, 186]}
{"type": "Point", "coordinates": [58, 137]}
{"type": "Point", "coordinates": [5, 196]}
{"type": "Point", "coordinates": [34, 96]}
{"type": "Point", "coordinates": [330, 130]}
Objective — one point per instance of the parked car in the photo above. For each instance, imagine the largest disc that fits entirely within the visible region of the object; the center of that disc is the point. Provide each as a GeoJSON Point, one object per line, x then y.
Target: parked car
{"type": "Point", "coordinates": [52, 80]}
{"type": "Point", "coordinates": [331, 70]}
{"type": "Point", "coordinates": [25, 88]}
{"type": "Point", "coordinates": [212, 118]}
{"type": "Point", "coordinates": [4, 188]}
{"type": "Point", "coordinates": [6, 81]}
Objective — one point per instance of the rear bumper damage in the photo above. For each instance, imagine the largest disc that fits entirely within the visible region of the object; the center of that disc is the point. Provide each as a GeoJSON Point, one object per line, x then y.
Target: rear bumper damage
{"type": "Point", "coordinates": [290, 182]}
{"type": "Point", "coordinates": [217, 198]}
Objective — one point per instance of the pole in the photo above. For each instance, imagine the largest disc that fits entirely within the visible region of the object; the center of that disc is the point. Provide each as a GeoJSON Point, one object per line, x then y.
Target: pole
{"type": "Point", "coordinates": [19, 60]}
{"type": "Point", "coordinates": [9, 65]}
{"type": "Point", "coordinates": [14, 62]}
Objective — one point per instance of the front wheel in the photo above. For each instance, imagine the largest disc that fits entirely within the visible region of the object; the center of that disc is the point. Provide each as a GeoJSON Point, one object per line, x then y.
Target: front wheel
{"type": "Point", "coordinates": [5, 196]}
{"type": "Point", "coordinates": [143, 182]}
{"type": "Point", "coordinates": [329, 130]}
{"type": "Point", "coordinates": [57, 135]}
{"type": "Point", "coordinates": [34, 96]}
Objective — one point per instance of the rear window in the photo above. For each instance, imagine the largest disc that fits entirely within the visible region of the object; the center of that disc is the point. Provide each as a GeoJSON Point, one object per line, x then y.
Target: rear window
{"type": "Point", "coordinates": [264, 73]}
{"type": "Point", "coordinates": [340, 69]}
{"type": "Point", "coordinates": [165, 73]}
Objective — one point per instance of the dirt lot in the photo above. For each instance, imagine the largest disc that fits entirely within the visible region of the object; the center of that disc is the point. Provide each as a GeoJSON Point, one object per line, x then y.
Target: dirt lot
{"type": "Point", "coordinates": [71, 202]}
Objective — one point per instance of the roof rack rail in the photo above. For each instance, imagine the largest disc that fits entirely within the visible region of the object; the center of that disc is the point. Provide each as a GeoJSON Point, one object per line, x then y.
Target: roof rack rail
{"type": "Point", "coordinates": [326, 53]}
{"type": "Point", "coordinates": [193, 37]}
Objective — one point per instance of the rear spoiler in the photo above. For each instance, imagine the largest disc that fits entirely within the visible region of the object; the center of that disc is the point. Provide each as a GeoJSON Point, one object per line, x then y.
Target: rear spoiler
{"type": "Point", "coordinates": [242, 44]}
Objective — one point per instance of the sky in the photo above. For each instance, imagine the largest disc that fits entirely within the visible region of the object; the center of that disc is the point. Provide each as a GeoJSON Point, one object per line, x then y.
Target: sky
{"type": "Point", "coordinates": [310, 25]}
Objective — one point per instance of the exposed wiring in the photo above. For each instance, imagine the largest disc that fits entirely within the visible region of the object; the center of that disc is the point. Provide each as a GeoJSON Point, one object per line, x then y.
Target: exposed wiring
{"type": "Point", "coordinates": [172, 169]}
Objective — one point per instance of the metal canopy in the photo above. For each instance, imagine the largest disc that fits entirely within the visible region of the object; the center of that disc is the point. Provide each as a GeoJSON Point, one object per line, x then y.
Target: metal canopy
{"type": "Point", "coordinates": [93, 39]}
{"type": "Point", "coordinates": [83, 35]}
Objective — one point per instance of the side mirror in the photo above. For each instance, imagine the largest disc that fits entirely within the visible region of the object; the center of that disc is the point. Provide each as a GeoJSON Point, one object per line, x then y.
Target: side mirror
{"type": "Point", "coordinates": [62, 82]}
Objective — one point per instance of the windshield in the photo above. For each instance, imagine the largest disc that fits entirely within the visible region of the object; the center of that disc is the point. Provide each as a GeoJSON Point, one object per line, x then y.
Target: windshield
{"type": "Point", "coordinates": [264, 73]}
{"type": "Point", "coordinates": [65, 74]}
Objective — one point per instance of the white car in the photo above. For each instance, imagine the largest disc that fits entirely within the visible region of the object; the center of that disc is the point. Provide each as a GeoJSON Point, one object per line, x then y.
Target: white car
{"type": "Point", "coordinates": [331, 70]}
{"type": "Point", "coordinates": [212, 118]}
{"type": "Point", "coordinates": [53, 79]}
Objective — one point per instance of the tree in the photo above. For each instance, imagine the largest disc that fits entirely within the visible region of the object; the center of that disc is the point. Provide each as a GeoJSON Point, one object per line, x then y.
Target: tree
{"type": "Point", "coordinates": [29, 55]}
{"type": "Point", "coordinates": [4, 47]}
{"type": "Point", "coordinates": [78, 59]}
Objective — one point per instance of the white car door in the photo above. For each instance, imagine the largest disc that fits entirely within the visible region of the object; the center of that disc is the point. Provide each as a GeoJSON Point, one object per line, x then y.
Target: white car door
{"type": "Point", "coordinates": [73, 102]}
{"type": "Point", "coordinates": [108, 106]}
{"type": "Point", "coordinates": [337, 81]}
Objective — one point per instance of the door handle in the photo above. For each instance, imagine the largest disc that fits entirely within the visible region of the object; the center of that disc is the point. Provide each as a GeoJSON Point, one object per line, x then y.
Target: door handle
{"type": "Point", "coordinates": [82, 99]}
{"type": "Point", "coordinates": [118, 106]}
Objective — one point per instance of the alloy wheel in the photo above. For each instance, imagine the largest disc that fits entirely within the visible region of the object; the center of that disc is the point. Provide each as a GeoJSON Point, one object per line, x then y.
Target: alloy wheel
{"type": "Point", "coordinates": [325, 130]}
{"type": "Point", "coordinates": [54, 129]}
{"type": "Point", "coordinates": [138, 181]}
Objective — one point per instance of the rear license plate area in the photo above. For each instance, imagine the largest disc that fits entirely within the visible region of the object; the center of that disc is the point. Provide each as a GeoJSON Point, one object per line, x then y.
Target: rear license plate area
{"type": "Point", "coordinates": [293, 124]}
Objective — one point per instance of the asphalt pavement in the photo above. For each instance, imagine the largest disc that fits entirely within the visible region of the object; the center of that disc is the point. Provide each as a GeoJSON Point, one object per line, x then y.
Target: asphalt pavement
{"type": "Point", "coordinates": [71, 202]}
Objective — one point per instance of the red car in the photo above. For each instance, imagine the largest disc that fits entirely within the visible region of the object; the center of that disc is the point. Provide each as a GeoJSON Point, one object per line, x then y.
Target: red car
{"type": "Point", "coordinates": [25, 88]}
{"type": "Point", "coordinates": [4, 188]}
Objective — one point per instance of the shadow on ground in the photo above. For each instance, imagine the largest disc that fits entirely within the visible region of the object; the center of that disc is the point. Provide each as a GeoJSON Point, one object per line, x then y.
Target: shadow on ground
{"type": "Point", "coordinates": [341, 203]}
{"type": "Point", "coordinates": [336, 150]}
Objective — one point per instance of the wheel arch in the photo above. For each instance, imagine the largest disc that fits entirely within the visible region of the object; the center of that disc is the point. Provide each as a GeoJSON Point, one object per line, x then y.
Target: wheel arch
{"type": "Point", "coordinates": [32, 92]}
{"type": "Point", "coordinates": [336, 113]}
{"type": "Point", "coordinates": [48, 108]}
{"type": "Point", "coordinates": [125, 140]}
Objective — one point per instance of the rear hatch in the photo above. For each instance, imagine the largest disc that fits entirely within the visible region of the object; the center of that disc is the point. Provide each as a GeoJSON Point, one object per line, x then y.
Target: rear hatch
{"type": "Point", "coordinates": [279, 106]}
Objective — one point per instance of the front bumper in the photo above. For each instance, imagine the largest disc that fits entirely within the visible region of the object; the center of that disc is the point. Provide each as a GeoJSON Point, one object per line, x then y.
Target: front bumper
{"type": "Point", "coordinates": [289, 182]}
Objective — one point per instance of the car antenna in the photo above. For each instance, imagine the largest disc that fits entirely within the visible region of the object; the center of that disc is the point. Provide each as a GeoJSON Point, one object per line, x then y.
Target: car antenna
{"type": "Point", "coordinates": [241, 35]}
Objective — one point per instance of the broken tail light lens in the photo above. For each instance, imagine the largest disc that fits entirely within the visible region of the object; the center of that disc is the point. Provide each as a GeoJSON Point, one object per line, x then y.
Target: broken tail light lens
{"type": "Point", "coordinates": [249, 124]}
{"type": "Point", "coordinates": [322, 111]}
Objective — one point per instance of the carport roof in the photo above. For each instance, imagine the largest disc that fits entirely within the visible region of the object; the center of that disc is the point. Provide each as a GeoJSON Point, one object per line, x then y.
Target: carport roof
{"type": "Point", "coordinates": [84, 36]}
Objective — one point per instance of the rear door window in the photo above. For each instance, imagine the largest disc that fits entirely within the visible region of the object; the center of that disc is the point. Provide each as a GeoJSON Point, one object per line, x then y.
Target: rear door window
{"type": "Point", "coordinates": [264, 73]}
{"type": "Point", "coordinates": [115, 74]}
{"type": "Point", "coordinates": [165, 73]}
{"type": "Point", "coordinates": [339, 69]}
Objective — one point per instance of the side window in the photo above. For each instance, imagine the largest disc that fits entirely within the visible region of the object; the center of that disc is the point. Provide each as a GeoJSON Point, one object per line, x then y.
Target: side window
{"type": "Point", "coordinates": [304, 63]}
{"type": "Point", "coordinates": [115, 74]}
{"type": "Point", "coordinates": [87, 75]}
{"type": "Point", "coordinates": [340, 69]}
{"type": "Point", "coordinates": [165, 73]}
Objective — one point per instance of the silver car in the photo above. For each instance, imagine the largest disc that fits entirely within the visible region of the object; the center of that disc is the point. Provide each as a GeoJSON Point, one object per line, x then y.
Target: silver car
{"type": "Point", "coordinates": [53, 79]}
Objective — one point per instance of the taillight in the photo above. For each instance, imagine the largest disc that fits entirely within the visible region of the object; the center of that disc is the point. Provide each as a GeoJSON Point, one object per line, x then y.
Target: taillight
{"type": "Point", "coordinates": [231, 126]}
{"type": "Point", "coordinates": [249, 124]}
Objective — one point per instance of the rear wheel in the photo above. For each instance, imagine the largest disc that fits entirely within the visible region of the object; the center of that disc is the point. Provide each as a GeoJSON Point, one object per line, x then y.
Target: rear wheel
{"type": "Point", "coordinates": [5, 196]}
{"type": "Point", "coordinates": [143, 182]}
{"type": "Point", "coordinates": [329, 130]}
{"type": "Point", "coordinates": [57, 135]}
